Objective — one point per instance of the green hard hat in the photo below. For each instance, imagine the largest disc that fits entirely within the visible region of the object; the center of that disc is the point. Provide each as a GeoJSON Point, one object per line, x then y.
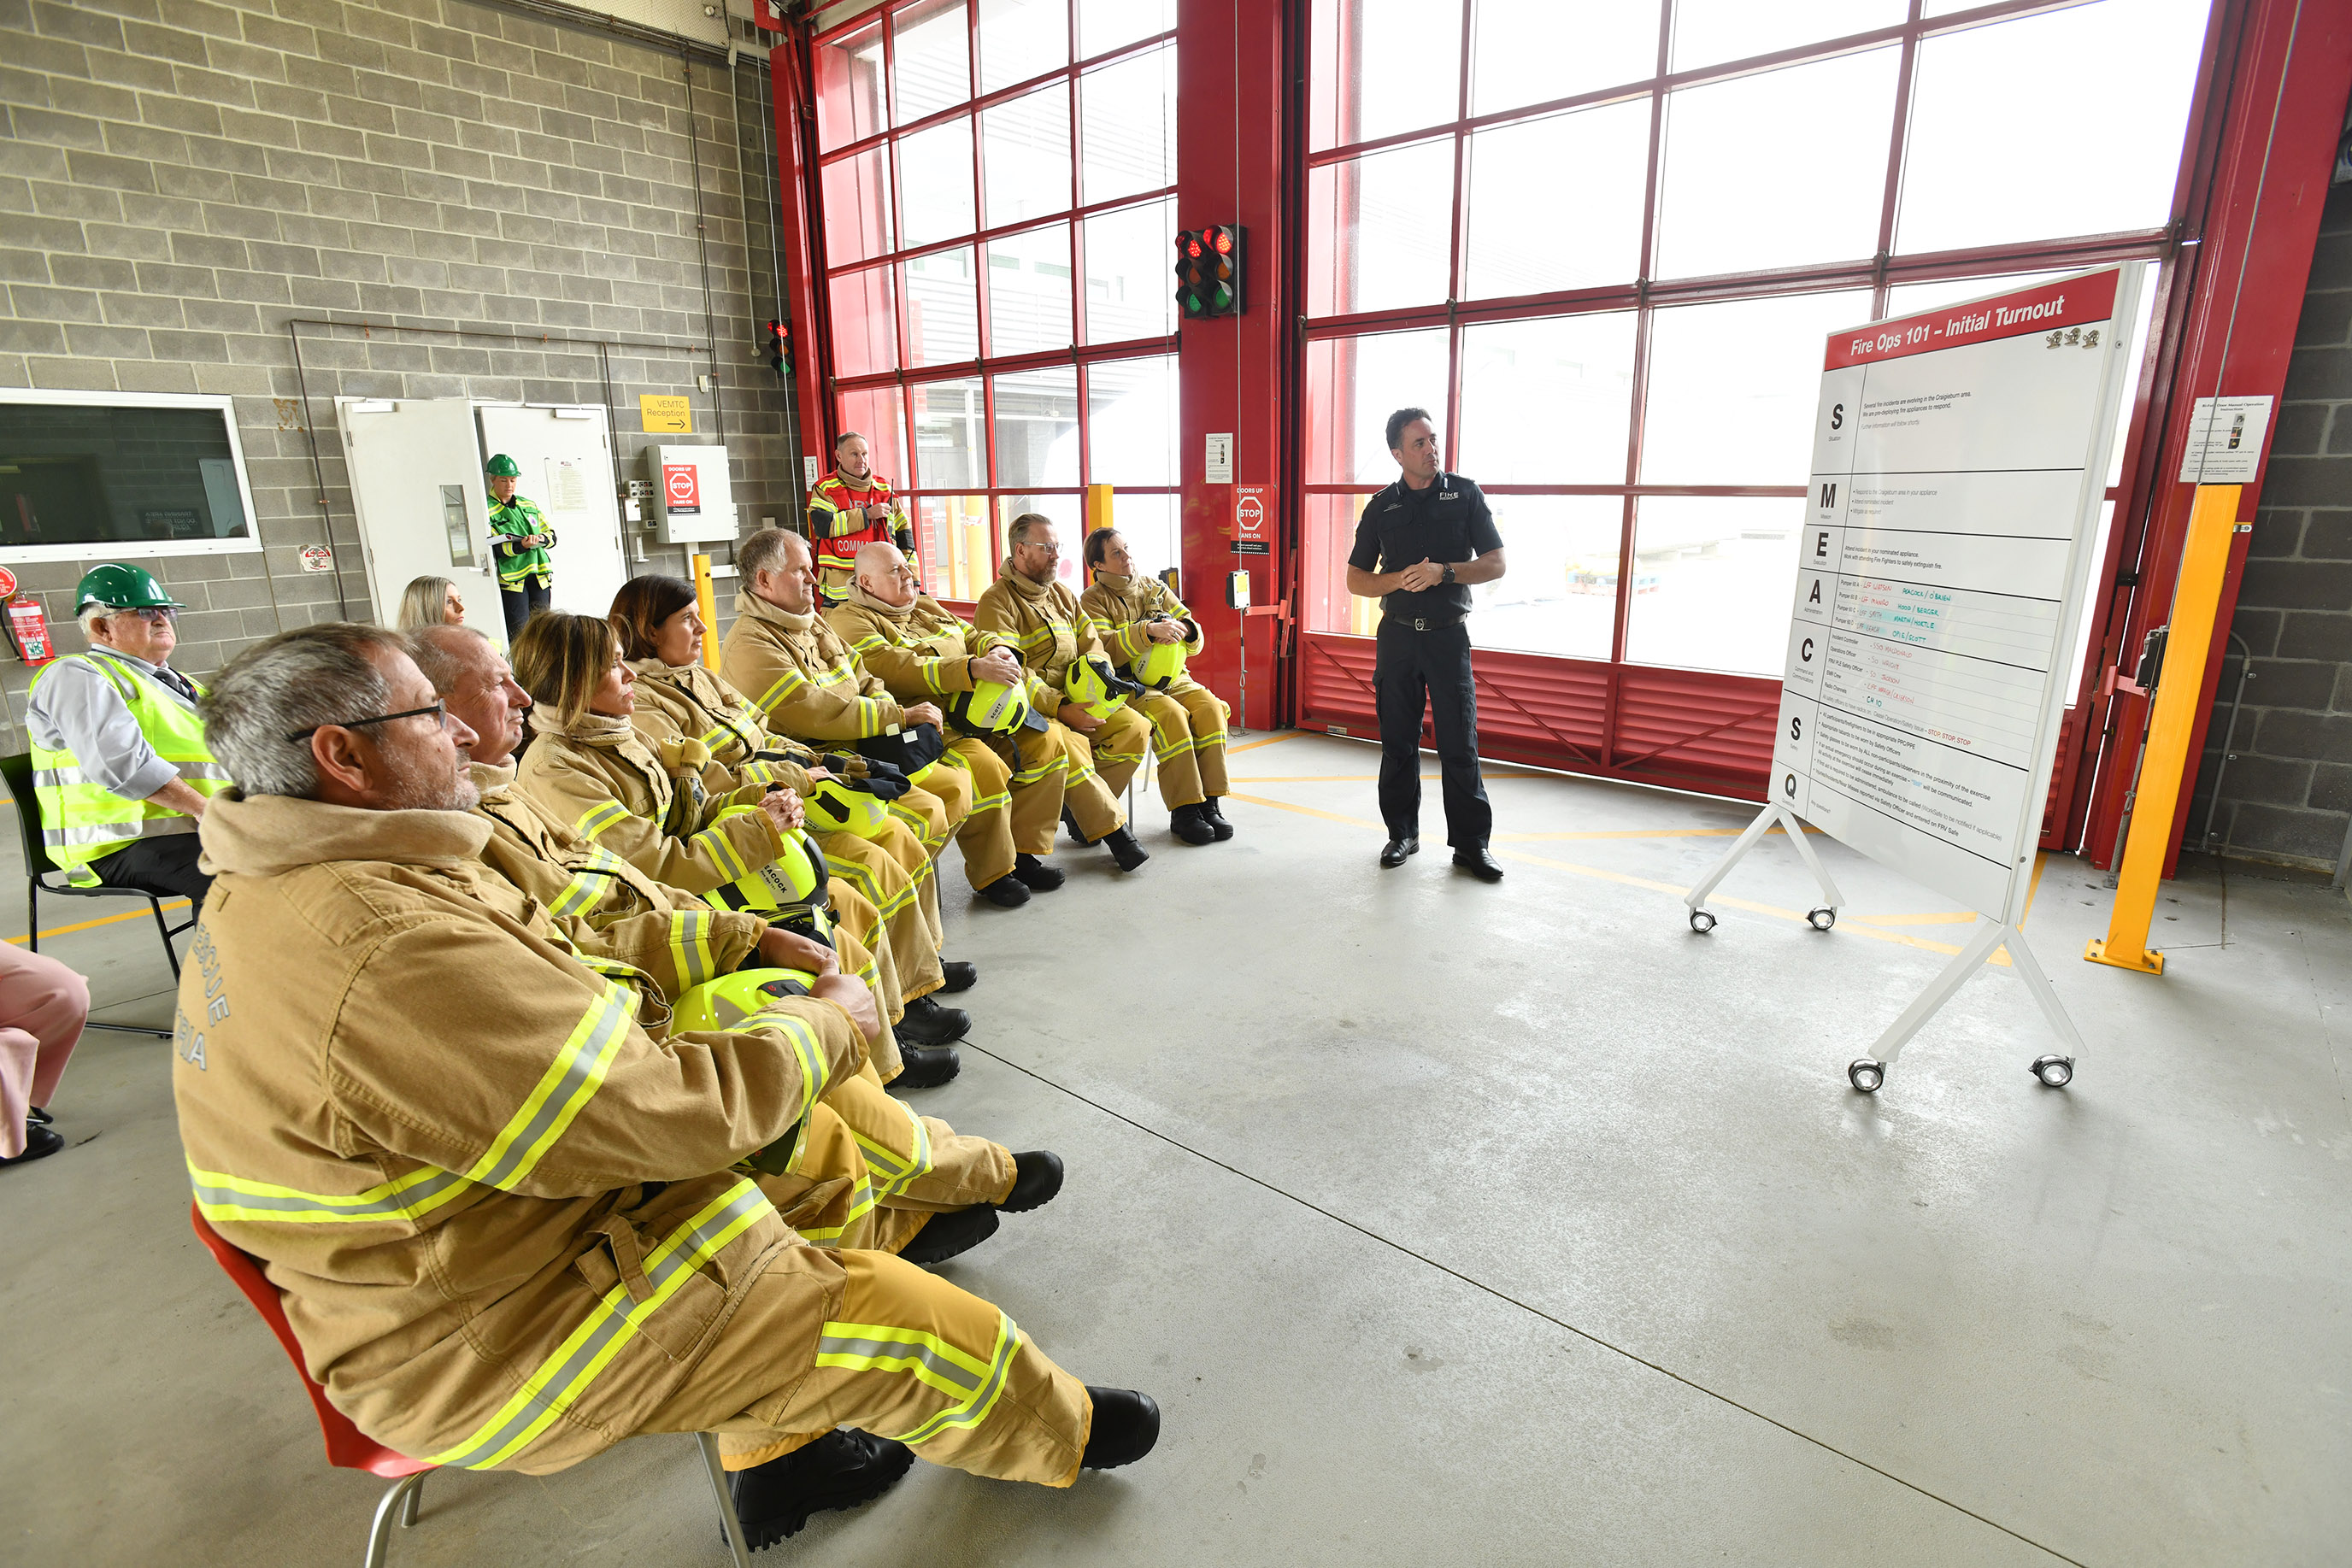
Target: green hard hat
{"type": "Point", "coordinates": [122, 588]}
{"type": "Point", "coordinates": [502, 467]}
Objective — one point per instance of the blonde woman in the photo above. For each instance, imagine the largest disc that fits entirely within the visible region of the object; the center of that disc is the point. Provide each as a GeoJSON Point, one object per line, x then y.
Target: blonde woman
{"type": "Point", "coordinates": [431, 601]}
{"type": "Point", "coordinates": [1129, 613]}
{"type": "Point", "coordinates": [676, 699]}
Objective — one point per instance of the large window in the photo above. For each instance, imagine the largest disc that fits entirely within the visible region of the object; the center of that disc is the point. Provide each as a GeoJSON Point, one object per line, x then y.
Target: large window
{"type": "Point", "coordinates": [1604, 245]}
{"type": "Point", "coordinates": [997, 181]}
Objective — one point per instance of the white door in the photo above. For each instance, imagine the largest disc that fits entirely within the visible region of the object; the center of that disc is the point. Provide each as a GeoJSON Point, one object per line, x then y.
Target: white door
{"type": "Point", "coordinates": [416, 485]}
{"type": "Point", "coordinates": [566, 457]}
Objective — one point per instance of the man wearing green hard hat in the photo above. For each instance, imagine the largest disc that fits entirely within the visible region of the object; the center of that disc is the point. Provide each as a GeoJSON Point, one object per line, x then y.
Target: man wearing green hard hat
{"type": "Point", "coordinates": [120, 763]}
{"type": "Point", "coordinates": [522, 536]}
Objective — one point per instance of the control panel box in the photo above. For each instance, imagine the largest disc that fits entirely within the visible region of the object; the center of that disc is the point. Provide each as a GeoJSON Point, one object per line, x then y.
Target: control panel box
{"type": "Point", "coordinates": [693, 502]}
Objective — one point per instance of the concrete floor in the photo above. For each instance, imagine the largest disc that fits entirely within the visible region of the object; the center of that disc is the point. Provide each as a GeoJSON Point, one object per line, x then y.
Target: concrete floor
{"type": "Point", "coordinates": [1448, 1224]}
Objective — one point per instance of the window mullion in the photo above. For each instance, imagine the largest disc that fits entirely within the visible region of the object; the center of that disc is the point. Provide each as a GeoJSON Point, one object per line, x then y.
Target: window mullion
{"type": "Point", "coordinates": [1903, 75]}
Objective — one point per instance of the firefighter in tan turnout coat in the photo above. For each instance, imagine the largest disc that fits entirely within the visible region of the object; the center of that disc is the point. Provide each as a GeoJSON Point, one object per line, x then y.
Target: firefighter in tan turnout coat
{"type": "Point", "coordinates": [1132, 616]}
{"type": "Point", "coordinates": [498, 1194]}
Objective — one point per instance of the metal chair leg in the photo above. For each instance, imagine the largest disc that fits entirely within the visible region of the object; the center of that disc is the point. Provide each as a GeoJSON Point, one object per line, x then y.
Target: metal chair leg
{"type": "Point", "coordinates": [400, 1503]}
{"type": "Point", "coordinates": [727, 1515]}
{"type": "Point", "coordinates": [164, 926]}
{"type": "Point", "coordinates": [415, 1496]}
{"type": "Point", "coordinates": [33, 902]}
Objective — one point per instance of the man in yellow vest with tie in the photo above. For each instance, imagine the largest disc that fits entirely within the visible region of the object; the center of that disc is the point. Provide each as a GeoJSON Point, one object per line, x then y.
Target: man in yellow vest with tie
{"type": "Point", "coordinates": [120, 763]}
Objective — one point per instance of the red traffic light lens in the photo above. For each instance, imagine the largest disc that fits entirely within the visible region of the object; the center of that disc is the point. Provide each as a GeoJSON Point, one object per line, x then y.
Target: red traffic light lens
{"type": "Point", "coordinates": [1192, 248]}
{"type": "Point", "coordinates": [1224, 242]}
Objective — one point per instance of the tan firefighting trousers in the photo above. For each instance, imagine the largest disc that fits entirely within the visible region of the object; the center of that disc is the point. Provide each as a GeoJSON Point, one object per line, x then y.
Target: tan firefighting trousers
{"type": "Point", "coordinates": [885, 870]}
{"type": "Point", "coordinates": [1057, 769]}
{"type": "Point", "coordinates": [825, 1339]}
{"type": "Point", "coordinates": [936, 807]}
{"type": "Point", "coordinates": [1188, 743]}
{"type": "Point", "coordinates": [867, 1172]}
{"type": "Point", "coordinates": [986, 836]}
{"type": "Point", "coordinates": [864, 951]}
{"type": "Point", "coordinates": [1117, 751]}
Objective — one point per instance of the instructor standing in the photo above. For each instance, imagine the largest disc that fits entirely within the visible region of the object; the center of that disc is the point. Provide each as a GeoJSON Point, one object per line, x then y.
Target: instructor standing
{"type": "Point", "coordinates": [1421, 543]}
{"type": "Point", "coordinates": [522, 536]}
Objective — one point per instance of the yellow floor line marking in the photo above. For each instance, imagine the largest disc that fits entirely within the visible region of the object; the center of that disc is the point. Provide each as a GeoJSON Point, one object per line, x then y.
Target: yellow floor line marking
{"type": "Point", "coordinates": [170, 905]}
{"type": "Point", "coordinates": [1270, 740]}
{"type": "Point", "coordinates": [1599, 874]}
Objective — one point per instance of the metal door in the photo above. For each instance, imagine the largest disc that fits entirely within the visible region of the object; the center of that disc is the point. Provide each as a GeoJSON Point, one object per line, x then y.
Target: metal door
{"type": "Point", "coordinates": [416, 487]}
{"type": "Point", "coordinates": [566, 457]}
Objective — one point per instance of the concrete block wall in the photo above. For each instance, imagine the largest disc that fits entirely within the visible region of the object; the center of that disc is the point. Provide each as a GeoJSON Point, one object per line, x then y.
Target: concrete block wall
{"type": "Point", "coordinates": [181, 180]}
{"type": "Point", "coordinates": [2285, 795]}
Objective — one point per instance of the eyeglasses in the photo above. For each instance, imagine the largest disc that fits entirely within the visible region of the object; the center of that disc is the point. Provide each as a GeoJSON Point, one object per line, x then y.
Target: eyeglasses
{"type": "Point", "coordinates": [154, 615]}
{"type": "Point", "coordinates": [1043, 549]}
{"type": "Point", "coordinates": [438, 710]}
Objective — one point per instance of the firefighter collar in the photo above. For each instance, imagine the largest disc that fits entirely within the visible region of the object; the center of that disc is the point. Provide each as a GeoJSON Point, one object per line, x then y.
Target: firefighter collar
{"type": "Point", "coordinates": [269, 834]}
{"type": "Point", "coordinates": [749, 603]}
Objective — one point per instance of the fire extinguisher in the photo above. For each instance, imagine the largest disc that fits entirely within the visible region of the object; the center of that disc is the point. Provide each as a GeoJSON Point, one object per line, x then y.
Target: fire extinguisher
{"type": "Point", "coordinates": [28, 629]}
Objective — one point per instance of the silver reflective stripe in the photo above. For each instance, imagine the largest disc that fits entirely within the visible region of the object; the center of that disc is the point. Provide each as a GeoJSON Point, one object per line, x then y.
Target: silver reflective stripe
{"type": "Point", "coordinates": [585, 1063]}
{"type": "Point", "coordinates": [897, 1350]}
{"type": "Point", "coordinates": [973, 1410]}
{"type": "Point", "coordinates": [228, 1198]}
{"type": "Point", "coordinates": [111, 832]}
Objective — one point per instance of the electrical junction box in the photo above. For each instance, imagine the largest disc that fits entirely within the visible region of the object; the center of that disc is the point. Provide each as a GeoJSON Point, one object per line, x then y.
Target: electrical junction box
{"type": "Point", "coordinates": [693, 501]}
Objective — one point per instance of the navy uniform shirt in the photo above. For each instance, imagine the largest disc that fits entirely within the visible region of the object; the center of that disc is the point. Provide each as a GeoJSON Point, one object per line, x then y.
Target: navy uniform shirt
{"type": "Point", "coordinates": [1447, 523]}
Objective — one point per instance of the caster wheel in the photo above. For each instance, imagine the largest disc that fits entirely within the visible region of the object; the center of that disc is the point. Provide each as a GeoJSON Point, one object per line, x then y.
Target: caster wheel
{"type": "Point", "coordinates": [1865, 1074]}
{"type": "Point", "coordinates": [1701, 920]}
{"type": "Point", "coordinates": [2055, 1071]}
{"type": "Point", "coordinates": [1821, 919]}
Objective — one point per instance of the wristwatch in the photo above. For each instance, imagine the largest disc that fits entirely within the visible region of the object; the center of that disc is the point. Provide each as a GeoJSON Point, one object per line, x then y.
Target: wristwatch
{"type": "Point", "coordinates": [1449, 575]}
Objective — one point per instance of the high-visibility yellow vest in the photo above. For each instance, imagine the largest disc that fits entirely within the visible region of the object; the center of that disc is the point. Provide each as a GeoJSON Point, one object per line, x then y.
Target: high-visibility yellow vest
{"type": "Point", "coordinates": [83, 821]}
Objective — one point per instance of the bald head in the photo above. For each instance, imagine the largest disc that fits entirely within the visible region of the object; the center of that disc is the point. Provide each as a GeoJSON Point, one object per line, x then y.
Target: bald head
{"type": "Point", "coordinates": [883, 572]}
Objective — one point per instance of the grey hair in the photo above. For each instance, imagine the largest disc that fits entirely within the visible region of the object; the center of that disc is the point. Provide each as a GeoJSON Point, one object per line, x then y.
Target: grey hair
{"type": "Point", "coordinates": [436, 652]}
{"type": "Point", "coordinates": [423, 603]}
{"type": "Point", "coordinates": [763, 551]}
{"type": "Point", "coordinates": [1024, 525]}
{"type": "Point", "coordinates": [296, 681]}
{"type": "Point", "coordinates": [93, 620]}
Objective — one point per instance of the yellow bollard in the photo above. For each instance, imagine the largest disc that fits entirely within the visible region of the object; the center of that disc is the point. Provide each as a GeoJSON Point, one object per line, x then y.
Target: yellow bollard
{"type": "Point", "coordinates": [1097, 516]}
{"type": "Point", "coordinates": [2196, 601]}
{"type": "Point", "coordinates": [706, 601]}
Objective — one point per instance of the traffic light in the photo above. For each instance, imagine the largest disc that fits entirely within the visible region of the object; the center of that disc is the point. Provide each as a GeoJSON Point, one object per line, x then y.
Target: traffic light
{"type": "Point", "coordinates": [1209, 272]}
{"type": "Point", "coordinates": [779, 346]}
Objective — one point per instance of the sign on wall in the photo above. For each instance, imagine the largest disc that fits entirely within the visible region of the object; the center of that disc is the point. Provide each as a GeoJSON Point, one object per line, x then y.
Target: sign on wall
{"type": "Point", "coordinates": [682, 489]}
{"type": "Point", "coordinates": [664, 415]}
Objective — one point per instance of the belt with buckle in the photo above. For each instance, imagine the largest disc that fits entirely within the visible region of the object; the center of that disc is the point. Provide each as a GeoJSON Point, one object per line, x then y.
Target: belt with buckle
{"type": "Point", "coordinates": [1428, 622]}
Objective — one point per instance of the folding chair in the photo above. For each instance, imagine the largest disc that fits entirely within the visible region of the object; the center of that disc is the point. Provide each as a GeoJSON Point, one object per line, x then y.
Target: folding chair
{"type": "Point", "coordinates": [18, 771]}
{"type": "Point", "coordinates": [349, 1449]}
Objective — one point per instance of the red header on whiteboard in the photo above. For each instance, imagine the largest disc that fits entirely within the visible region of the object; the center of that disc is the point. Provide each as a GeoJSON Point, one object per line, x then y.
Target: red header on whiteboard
{"type": "Point", "coordinates": [2045, 308]}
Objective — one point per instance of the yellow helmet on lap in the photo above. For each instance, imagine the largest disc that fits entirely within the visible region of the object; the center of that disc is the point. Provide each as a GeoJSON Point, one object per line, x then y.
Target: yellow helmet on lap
{"type": "Point", "coordinates": [835, 806]}
{"type": "Point", "coordinates": [797, 876]}
{"type": "Point", "coordinates": [1088, 684]}
{"type": "Point", "coordinates": [994, 707]}
{"type": "Point", "coordinates": [727, 1002]}
{"type": "Point", "coordinates": [1161, 665]}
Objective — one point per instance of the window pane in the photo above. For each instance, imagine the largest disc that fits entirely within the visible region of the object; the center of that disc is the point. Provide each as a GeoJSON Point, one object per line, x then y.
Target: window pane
{"type": "Point", "coordinates": [1533, 51]}
{"type": "Point", "coordinates": [2100, 155]}
{"type": "Point", "coordinates": [1150, 525]}
{"type": "Point", "coordinates": [1038, 429]}
{"type": "Point", "coordinates": [1733, 388]}
{"type": "Point", "coordinates": [1712, 577]}
{"type": "Point", "coordinates": [953, 546]}
{"type": "Point", "coordinates": [1353, 386]}
{"type": "Point", "coordinates": [1020, 40]}
{"type": "Point", "coordinates": [1068, 514]}
{"type": "Point", "coordinates": [1128, 130]}
{"type": "Point", "coordinates": [951, 447]}
{"type": "Point", "coordinates": [865, 322]}
{"type": "Point", "coordinates": [1131, 273]}
{"type": "Point", "coordinates": [875, 415]}
{"type": "Point", "coordinates": [935, 172]}
{"type": "Point", "coordinates": [1586, 231]}
{"type": "Point", "coordinates": [1105, 25]}
{"type": "Point", "coordinates": [1029, 292]}
{"type": "Point", "coordinates": [1378, 234]}
{"type": "Point", "coordinates": [1707, 32]}
{"type": "Point", "coordinates": [1547, 402]}
{"type": "Point", "coordinates": [1822, 131]}
{"type": "Point", "coordinates": [857, 207]}
{"type": "Point", "coordinates": [942, 308]}
{"type": "Point", "coordinates": [932, 58]}
{"type": "Point", "coordinates": [1560, 594]}
{"type": "Point", "coordinates": [1381, 67]}
{"type": "Point", "coordinates": [1024, 156]}
{"type": "Point", "coordinates": [1131, 422]}
{"type": "Point", "coordinates": [849, 89]}
{"type": "Point", "coordinates": [1328, 534]}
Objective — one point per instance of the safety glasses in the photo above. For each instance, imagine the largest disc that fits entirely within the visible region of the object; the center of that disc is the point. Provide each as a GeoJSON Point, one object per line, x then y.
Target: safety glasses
{"type": "Point", "coordinates": [438, 710]}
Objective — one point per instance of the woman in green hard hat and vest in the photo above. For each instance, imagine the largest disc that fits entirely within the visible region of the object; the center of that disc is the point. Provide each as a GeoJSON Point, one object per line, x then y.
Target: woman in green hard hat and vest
{"type": "Point", "coordinates": [521, 536]}
{"type": "Point", "coordinates": [120, 763]}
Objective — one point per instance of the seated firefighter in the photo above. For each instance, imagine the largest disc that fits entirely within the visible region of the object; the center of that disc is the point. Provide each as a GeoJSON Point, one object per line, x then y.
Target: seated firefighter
{"type": "Point", "coordinates": [1148, 633]}
{"type": "Point", "coordinates": [921, 652]}
{"type": "Point", "coordinates": [1072, 678]}
{"type": "Point", "coordinates": [866, 1170]}
{"type": "Point", "coordinates": [120, 765]}
{"type": "Point", "coordinates": [590, 767]}
{"type": "Point", "coordinates": [505, 1212]}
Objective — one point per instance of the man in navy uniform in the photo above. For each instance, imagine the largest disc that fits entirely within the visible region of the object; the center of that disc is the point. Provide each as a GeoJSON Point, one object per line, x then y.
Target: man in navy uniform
{"type": "Point", "coordinates": [1420, 545]}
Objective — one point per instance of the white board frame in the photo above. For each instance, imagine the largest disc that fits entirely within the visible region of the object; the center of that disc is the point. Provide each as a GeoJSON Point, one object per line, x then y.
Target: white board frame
{"type": "Point", "coordinates": [142, 550]}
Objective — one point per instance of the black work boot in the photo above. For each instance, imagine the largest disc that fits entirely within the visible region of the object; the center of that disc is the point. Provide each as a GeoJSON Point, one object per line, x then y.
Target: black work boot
{"type": "Point", "coordinates": [925, 1066]}
{"type": "Point", "coordinates": [928, 1023]}
{"type": "Point", "coordinates": [1040, 877]}
{"type": "Point", "coordinates": [944, 1236]}
{"type": "Point", "coordinates": [1215, 815]}
{"type": "Point", "coordinates": [960, 976]}
{"type": "Point", "coordinates": [1125, 1426]}
{"type": "Point", "coordinates": [840, 1470]}
{"type": "Point", "coordinates": [1187, 823]}
{"type": "Point", "coordinates": [1124, 849]}
{"type": "Point", "coordinates": [1037, 1177]}
{"type": "Point", "coordinates": [1006, 892]}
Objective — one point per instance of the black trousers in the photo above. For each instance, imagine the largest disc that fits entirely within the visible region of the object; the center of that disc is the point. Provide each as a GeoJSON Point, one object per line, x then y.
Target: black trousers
{"type": "Point", "coordinates": [166, 865]}
{"type": "Point", "coordinates": [521, 603]}
{"type": "Point", "coordinates": [1410, 668]}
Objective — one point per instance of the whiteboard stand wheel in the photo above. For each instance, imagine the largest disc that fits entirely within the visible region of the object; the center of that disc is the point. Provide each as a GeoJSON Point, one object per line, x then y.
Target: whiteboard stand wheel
{"type": "Point", "coordinates": [1821, 919]}
{"type": "Point", "coordinates": [1865, 1074]}
{"type": "Point", "coordinates": [2055, 1071]}
{"type": "Point", "coordinates": [1701, 920]}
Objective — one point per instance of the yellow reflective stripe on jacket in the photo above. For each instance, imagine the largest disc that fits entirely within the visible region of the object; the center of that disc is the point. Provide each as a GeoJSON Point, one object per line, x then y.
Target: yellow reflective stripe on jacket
{"type": "Point", "coordinates": [570, 1081]}
{"type": "Point", "coordinates": [590, 882]}
{"type": "Point", "coordinates": [689, 943]}
{"type": "Point", "coordinates": [564, 1377]}
{"type": "Point", "coordinates": [713, 841]}
{"type": "Point", "coordinates": [221, 1197]}
{"type": "Point", "coordinates": [814, 1069]}
{"type": "Point", "coordinates": [971, 1384]}
{"type": "Point", "coordinates": [898, 1172]}
{"type": "Point", "coordinates": [597, 818]}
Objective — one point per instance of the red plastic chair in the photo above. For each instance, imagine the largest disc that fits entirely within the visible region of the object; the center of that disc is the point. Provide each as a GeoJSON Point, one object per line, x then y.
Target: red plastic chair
{"type": "Point", "coordinates": [349, 1449]}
